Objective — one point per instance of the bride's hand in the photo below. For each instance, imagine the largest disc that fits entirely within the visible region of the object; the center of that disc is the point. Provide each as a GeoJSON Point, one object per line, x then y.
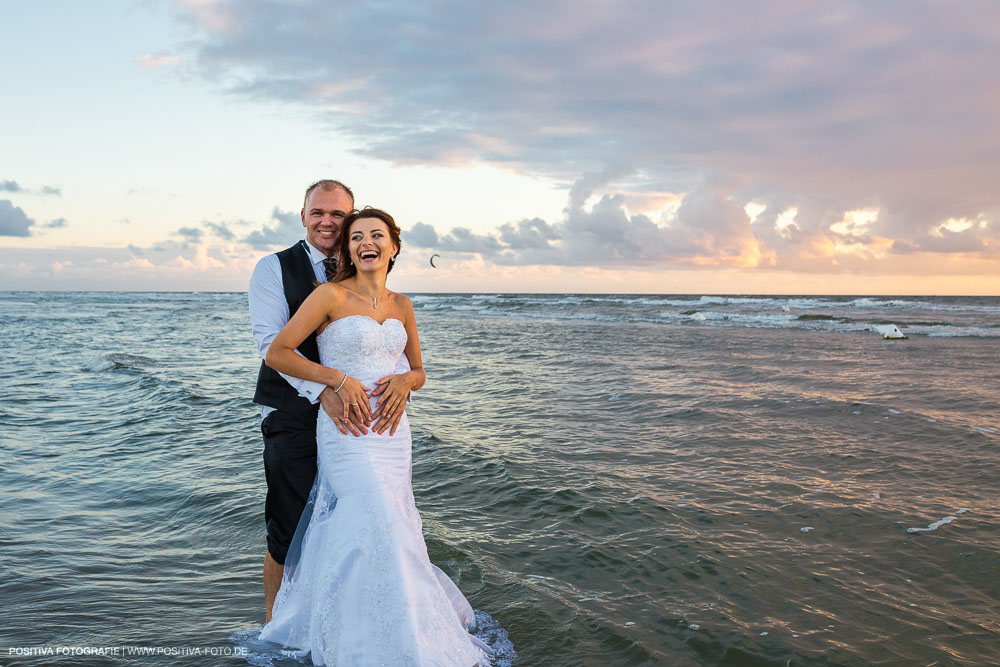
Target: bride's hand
{"type": "Point", "coordinates": [392, 390]}
{"type": "Point", "coordinates": [355, 397]}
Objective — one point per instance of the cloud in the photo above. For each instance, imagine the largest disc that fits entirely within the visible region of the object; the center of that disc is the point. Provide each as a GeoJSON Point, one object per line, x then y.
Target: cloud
{"type": "Point", "coordinates": [13, 221]}
{"type": "Point", "coordinates": [156, 60]}
{"type": "Point", "coordinates": [45, 190]}
{"type": "Point", "coordinates": [421, 235]}
{"type": "Point", "coordinates": [58, 223]}
{"type": "Point", "coordinates": [179, 267]}
{"type": "Point", "coordinates": [821, 107]}
{"type": "Point", "coordinates": [286, 230]}
{"type": "Point", "coordinates": [533, 233]}
{"type": "Point", "coordinates": [710, 228]}
{"type": "Point", "coordinates": [220, 230]}
{"type": "Point", "coordinates": [191, 234]}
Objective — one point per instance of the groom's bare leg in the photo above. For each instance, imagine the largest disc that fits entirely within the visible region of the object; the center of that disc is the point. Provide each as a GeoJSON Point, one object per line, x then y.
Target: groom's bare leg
{"type": "Point", "coordinates": [272, 582]}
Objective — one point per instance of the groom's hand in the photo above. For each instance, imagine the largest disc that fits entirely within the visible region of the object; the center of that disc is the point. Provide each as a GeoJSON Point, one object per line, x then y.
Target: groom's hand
{"type": "Point", "coordinates": [334, 407]}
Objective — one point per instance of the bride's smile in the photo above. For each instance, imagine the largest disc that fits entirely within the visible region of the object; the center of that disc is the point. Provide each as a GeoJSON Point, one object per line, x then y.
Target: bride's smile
{"type": "Point", "coordinates": [371, 247]}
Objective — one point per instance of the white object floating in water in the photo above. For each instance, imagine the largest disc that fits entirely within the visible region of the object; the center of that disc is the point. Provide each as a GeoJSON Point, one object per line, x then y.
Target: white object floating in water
{"type": "Point", "coordinates": [889, 331]}
{"type": "Point", "coordinates": [763, 634]}
{"type": "Point", "coordinates": [629, 624]}
{"type": "Point", "coordinates": [694, 626]}
{"type": "Point", "coordinates": [933, 526]}
{"type": "Point", "coordinates": [893, 412]}
{"type": "Point", "coordinates": [806, 529]}
{"type": "Point", "coordinates": [876, 495]}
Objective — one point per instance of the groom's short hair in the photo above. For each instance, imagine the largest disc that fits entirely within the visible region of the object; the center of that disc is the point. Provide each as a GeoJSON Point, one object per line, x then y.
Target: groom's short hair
{"type": "Point", "coordinates": [328, 185]}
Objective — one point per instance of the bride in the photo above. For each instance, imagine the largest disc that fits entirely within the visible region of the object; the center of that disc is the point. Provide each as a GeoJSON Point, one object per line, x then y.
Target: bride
{"type": "Point", "coordinates": [359, 588]}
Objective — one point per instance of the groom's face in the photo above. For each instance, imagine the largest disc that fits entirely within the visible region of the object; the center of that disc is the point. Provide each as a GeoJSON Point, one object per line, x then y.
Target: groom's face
{"type": "Point", "coordinates": [323, 215]}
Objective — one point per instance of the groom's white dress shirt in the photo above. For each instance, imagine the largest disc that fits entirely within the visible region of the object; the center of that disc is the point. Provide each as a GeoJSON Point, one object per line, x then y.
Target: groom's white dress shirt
{"type": "Point", "coordinates": [269, 313]}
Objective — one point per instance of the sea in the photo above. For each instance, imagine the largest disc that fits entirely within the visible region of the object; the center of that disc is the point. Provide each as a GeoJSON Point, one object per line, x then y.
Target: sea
{"type": "Point", "coordinates": [610, 479]}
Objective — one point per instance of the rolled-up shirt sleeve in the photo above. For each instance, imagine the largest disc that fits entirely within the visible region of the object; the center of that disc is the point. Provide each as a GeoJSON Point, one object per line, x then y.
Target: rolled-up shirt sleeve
{"type": "Point", "coordinates": [403, 366]}
{"type": "Point", "coordinates": [269, 313]}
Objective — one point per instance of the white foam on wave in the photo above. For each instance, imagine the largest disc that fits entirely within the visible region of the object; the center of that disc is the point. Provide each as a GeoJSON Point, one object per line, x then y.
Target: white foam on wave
{"type": "Point", "coordinates": [760, 319]}
{"type": "Point", "coordinates": [937, 524]}
{"type": "Point", "coordinates": [266, 654]}
{"type": "Point", "coordinates": [429, 298]}
{"type": "Point", "coordinates": [948, 331]}
{"type": "Point", "coordinates": [984, 429]}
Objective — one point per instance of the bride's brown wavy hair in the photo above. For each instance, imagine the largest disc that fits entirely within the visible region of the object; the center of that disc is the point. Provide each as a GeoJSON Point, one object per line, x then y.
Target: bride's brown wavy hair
{"type": "Point", "coordinates": [345, 269]}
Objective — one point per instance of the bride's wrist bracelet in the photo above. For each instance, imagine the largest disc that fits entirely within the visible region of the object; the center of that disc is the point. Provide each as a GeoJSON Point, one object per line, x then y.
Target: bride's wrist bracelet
{"type": "Point", "coordinates": [341, 385]}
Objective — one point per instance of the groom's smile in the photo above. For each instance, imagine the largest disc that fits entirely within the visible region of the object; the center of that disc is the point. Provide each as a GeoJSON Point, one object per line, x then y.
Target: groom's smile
{"type": "Point", "coordinates": [322, 217]}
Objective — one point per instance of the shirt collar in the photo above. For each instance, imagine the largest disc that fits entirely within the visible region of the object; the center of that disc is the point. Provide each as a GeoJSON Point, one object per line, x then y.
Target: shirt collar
{"type": "Point", "coordinates": [315, 255]}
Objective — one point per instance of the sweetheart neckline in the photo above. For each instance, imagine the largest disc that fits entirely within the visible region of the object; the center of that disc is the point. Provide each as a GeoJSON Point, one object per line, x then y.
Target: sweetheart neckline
{"type": "Point", "coordinates": [367, 317]}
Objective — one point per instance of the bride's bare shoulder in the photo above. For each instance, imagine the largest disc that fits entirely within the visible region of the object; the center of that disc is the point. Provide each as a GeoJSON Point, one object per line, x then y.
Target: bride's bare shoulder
{"type": "Point", "coordinates": [401, 301]}
{"type": "Point", "coordinates": [330, 295]}
{"type": "Point", "coordinates": [330, 290]}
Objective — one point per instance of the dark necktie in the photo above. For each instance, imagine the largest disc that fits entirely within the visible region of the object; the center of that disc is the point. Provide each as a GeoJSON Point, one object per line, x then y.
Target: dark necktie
{"type": "Point", "coordinates": [330, 264]}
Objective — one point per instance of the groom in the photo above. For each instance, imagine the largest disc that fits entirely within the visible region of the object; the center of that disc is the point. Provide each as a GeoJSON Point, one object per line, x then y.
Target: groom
{"type": "Point", "coordinates": [279, 285]}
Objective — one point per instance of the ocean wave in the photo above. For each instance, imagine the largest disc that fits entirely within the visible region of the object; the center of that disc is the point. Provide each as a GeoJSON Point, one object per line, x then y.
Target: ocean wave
{"type": "Point", "coordinates": [957, 332]}
{"type": "Point", "coordinates": [834, 314]}
{"type": "Point", "coordinates": [112, 360]}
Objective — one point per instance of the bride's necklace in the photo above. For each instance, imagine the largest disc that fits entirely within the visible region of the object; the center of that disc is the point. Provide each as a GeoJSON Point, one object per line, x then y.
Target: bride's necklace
{"type": "Point", "coordinates": [374, 298]}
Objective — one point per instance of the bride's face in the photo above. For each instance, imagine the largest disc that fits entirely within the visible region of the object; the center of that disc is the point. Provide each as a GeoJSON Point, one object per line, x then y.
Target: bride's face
{"type": "Point", "coordinates": [371, 246]}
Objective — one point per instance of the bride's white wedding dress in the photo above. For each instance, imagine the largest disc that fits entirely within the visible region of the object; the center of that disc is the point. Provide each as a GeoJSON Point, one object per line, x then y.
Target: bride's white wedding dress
{"type": "Point", "coordinates": [358, 587]}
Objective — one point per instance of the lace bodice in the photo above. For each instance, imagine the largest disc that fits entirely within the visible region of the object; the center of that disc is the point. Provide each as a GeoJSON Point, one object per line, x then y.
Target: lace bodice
{"type": "Point", "coordinates": [361, 347]}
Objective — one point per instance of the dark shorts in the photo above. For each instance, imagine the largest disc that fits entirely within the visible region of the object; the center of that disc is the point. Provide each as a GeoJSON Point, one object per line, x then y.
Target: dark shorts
{"type": "Point", "coordinates": [289, 468]}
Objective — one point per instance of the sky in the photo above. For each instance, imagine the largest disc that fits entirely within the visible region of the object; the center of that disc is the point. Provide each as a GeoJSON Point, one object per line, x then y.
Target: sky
{"type": "Point", "coordinates": [633, 146]}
